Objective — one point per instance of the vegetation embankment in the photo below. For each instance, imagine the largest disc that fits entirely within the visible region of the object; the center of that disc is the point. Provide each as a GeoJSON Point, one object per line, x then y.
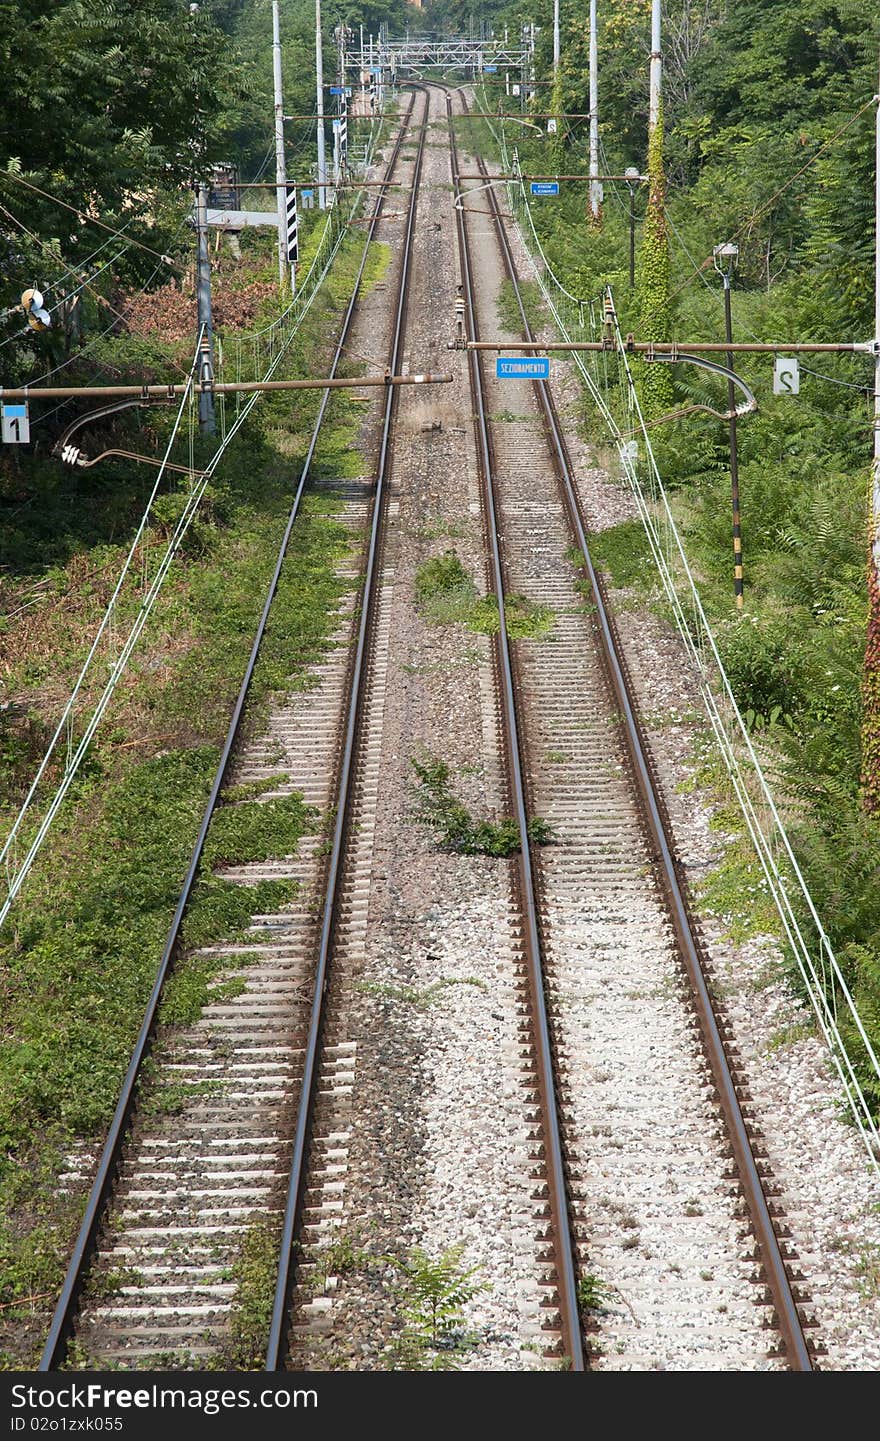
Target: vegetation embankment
{"type": "Point", "coordinates": [79, 955]}
{"type": "Point", "coordinates": [768, 142]}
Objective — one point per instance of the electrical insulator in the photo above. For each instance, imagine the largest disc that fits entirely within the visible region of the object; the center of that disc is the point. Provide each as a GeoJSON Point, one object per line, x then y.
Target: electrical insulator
{"type": "Point", "coordinates": [32, 304]}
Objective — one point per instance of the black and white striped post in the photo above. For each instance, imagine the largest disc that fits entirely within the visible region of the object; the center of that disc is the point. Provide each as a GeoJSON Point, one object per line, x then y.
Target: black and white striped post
{"type": "Point", "coordinates": [343, 129]}
{"type": "Point", "coordinates": [340, 123]}
{"type": "Point", "coordinates": [280, 164]}
{"type": "Point", "coordinates": [291, 234]}
{"type": "Point", "coordinates": [725, 259]}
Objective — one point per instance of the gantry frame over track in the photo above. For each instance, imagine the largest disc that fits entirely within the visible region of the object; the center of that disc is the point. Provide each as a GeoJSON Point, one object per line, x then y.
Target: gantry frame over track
{"type": "Point", "coordinates": [456, 53]}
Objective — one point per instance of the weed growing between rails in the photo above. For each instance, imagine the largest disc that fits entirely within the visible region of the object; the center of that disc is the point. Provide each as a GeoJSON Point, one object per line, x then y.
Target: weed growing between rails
{"type": "Point", "coordinates": [453, 826]}
{"type": "Point", "coordinates": [446, 594]}
{"type": "Point", "coordinates": [433, 1293]}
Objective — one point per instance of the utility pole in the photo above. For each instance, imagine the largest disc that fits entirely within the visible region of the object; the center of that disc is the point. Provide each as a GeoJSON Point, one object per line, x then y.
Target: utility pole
{"type": "Point", "coordinates": [871, 672]}
{"type": "Point", "coordinates": [207, 424]}
{"type": "Point", "coordinates": [595, 185]}
{"type": "Point", "coordinates": [876, 476]}
{"type": "Point", "coordinates": [725, 259]}
{"type": "Point", "coordinates": [319, 85]}
{"type": "Point", "coordinates": [556, 40]}
{"type": "Point", "coordinates": [280, 163]}
{"type": "Point", "coordinates": [656, 69]}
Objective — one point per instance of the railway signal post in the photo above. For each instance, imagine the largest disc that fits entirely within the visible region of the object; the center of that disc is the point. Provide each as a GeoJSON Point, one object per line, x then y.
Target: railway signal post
{"type": "Point", "coordinates": [207, 423]}
{"type": "Point", "coordinates": [286, 264]}
{"type": "Point", "coordinates": [725, 259]}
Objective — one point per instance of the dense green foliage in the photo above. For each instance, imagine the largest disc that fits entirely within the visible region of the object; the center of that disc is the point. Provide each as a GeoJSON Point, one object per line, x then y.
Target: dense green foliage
{"type": "Point", "coordinates": [107, 107]}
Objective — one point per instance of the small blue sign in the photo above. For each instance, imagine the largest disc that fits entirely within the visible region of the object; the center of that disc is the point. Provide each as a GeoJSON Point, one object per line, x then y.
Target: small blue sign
{"type": "Point", "coordinates": [308, 195]}
{"type": "Point", "coordinates": [490, 69]}
{"type": "Point", "coordinates": [528, 367]}
{"type": "Point", "coordinates": [545, 187]}
{"type": "Point", "coordinates": [337, 89]}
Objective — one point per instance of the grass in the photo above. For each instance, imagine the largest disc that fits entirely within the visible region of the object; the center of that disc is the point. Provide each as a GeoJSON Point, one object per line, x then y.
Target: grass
{"type": "Point", "coordinates": [623, 553]}
{"type": "Point", "coordinates": [455, 829]}
{"type": "Point", "coordinates": [254, 1272]}
{"type": "Point", "coordinates": [447, 595]}
{"type": "Point", "coordinates": [735, 888]}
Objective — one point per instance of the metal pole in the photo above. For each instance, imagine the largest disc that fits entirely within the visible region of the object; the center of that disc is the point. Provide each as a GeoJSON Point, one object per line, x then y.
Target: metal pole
{"type": "Point", "coordinates": [734, 459]}
{"type": "Point", "coordinates": [656, 68]}
{"type": "Point", "coordinates": [280, 163]}
{"type": "Point", "coordinates": [207, 424]}
{"type": "Point", "coordinates": [556, 39]}
{"type": "Point", "coordinates": [870, 772]}
{"type": "Point", "coordinates": [875, 538]}
{"type": "Point", "coordinates": [632, 239]}
{"type": "Point", "coordinates": [319, 85]}
{"type": "Point", "coordinates": [595, 185]}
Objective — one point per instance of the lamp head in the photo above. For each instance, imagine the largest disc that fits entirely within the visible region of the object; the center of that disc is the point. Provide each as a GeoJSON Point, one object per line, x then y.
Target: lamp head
{"type": "Point", "coordinates": [725, 256]}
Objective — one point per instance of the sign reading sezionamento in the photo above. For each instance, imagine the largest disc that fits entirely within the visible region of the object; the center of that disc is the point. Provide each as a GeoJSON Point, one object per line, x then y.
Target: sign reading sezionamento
{"type": "Point", "coordinates": [529, 367]}
{"type": "Point", "coordinates": [545, 187]}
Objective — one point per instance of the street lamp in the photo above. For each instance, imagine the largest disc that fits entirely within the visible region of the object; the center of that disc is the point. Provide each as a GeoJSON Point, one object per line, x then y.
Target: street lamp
{"type": "Point", "coordinates": [725, 258]}
{"type": "Point", "coordinates": [632, 177]}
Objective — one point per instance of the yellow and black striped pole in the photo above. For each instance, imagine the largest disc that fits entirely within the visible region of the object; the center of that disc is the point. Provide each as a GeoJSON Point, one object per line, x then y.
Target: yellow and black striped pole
{"type": "Point", "coordinates": [734, 465]}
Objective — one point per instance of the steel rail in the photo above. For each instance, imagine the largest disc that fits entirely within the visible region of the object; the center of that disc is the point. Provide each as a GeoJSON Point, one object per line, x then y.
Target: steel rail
{"type": "Point", "coordinates": [281, 1309]}
{"type": "Point", "coordinates": [779, 1285]}
{"type": "Point", "coordinates": [561, 1229]}
{"type": "Point", "coordinates": [64, 1318]}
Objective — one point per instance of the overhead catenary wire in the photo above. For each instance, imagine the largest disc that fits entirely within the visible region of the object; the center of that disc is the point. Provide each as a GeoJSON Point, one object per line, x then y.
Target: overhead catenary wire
{"type": "Point", "coordinates": [72, 270]}
{"type": "Point", "coordinates": [96, 340]}
{"type": "Point", "coordinates": [21, 871]}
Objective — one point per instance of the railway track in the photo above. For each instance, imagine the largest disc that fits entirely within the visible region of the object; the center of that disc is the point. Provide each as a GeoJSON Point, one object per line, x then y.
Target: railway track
{"type": "Point", "coordinates": [319, 1151]}
{"type": "Point", "coordinates": [177, 1196]}
{"type": "Point", "coordinates": [272, 1140]}
{"type": "Point", "coordinates": [610, 892]}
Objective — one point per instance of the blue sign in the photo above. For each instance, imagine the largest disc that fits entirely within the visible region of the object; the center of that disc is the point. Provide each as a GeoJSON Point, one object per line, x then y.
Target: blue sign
{"type": "Point", "coordinates": [545, 187]}
{"type": "Point", "coordinates": [529, 367]}
{"type": "Point", "coordinates": [308, 195]}
{"type": "Point", "coordinates": [337, 89]}
{"type": "Point", "coordinates": [490, 69]}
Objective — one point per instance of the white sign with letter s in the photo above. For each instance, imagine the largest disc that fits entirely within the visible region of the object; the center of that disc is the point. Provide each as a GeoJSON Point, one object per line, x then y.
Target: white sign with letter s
{"type": "Point", "coordinates": [786, 375]}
